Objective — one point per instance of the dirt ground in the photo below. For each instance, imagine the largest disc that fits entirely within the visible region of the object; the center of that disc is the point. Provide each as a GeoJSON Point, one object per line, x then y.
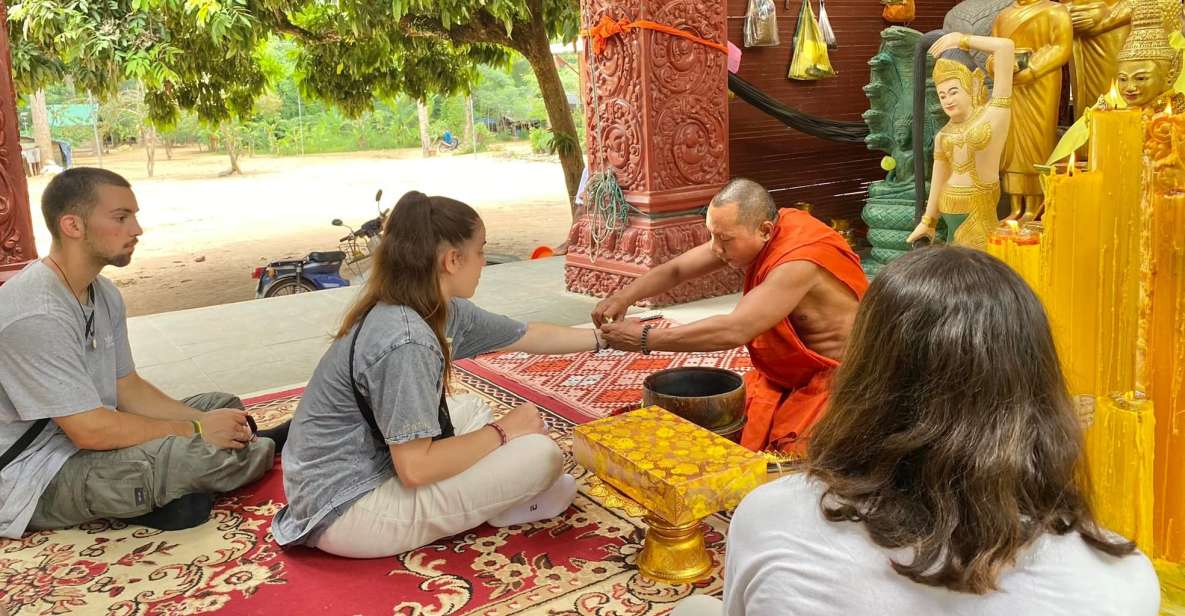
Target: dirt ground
{"type": "Point", "coordinates": [204, 234]}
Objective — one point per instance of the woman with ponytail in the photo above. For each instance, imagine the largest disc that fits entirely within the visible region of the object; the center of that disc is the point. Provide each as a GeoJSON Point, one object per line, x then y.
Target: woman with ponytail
{"type": "Point", "coordinates": [380, 459]}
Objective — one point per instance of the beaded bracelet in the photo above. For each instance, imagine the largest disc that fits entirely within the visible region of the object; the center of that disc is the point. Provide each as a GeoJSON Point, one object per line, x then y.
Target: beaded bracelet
{"type": "Point", "coordinates": [645, 338]}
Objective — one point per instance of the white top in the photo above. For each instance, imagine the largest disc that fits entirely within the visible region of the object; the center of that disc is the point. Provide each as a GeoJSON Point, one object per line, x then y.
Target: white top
{"type": "Point", "coordinates": [785, 558]}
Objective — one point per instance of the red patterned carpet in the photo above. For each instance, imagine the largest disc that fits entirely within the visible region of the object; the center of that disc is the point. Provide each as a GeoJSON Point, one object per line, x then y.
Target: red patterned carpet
{"type": "Point", "coordinates": [579, 564]}
{"type": "Point", "coordinates": [589, 386]}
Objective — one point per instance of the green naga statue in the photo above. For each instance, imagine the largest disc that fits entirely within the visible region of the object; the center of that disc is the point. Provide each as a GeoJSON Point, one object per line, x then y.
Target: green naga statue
{"type": "Point", "coordinates": [890, 210]}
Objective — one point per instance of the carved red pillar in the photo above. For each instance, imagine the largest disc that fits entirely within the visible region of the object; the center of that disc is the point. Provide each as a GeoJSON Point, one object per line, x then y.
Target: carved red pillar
{"type": "Point", "coordinates": [16, 224]}
{"type": "Point", "coordinates": [657, 115]}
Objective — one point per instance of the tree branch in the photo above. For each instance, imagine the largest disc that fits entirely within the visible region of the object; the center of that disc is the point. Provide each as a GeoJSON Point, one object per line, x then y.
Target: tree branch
{"type": "Point", "coordinates": [482, 29]}
{"type": "Point", "coordinates": [281, 23]}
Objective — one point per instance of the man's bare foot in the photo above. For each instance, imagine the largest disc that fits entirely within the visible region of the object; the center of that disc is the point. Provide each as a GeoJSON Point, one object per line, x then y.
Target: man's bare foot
{"type": "Point", "coordinates": [562, 249]}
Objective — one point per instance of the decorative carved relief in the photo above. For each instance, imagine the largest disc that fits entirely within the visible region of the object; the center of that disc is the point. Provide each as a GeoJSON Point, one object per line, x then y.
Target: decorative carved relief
{"type": "Point", "coordinates": [16, 233]}
{"type": "Point", "coordinates": [621, 137]}
{"type": "Point", "coordinates": [602, 284]}
{"type": "Point", "coordinates": [661, 125]}
{"type": "Point", "coordinates": [613, 100]}
{"type": "Point", "coordinates": [638, 245]}
{"type": "Point", "coordinates": [696, 134]}
{"type": "Point", "coordinates": [687, 99]}
{"type": "Point", "coordinates": [12, 240]}
{"type": "Point", "coordinates": [679, 65]}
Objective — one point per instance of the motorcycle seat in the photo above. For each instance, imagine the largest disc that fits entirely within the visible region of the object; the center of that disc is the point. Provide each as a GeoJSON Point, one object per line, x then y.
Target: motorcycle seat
{"type": "Point", "coordinates": [326, 257]}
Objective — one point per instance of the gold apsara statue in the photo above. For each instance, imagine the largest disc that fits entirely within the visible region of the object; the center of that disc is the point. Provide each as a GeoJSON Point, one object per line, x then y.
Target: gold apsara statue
{"type": "Point", "coordinates": [1043, 35]}
{"type": "Point", "coordinates": [1100, 28]}
{"type": "Point", "coordinates": [965, 184]}
{"type": "Point", "coordinates": [1148, 65]}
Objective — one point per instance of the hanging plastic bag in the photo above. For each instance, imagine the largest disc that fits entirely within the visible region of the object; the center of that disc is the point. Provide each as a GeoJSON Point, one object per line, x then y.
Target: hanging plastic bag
{"type": "Point", "coordinates": [761, 24]}
{"type": "Point", "coordinates": [810, 59]}
{"type": "Point", "coordinates": [899, 11]}
{"type": "Point", "coordinates": [825, 27]}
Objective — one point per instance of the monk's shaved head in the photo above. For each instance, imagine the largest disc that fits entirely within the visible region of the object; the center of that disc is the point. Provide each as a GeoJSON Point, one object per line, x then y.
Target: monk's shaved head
{"type": "Point", "coordinates": [754, 205]}
{"type": "Point", "coordinates": [741, 219]}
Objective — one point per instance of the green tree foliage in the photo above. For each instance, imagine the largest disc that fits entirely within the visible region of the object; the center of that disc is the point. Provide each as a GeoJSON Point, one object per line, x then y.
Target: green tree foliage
{"type": "Point", "coordinates": [212, 57]}
{"type": "Point", "coordinates": [274, 125]}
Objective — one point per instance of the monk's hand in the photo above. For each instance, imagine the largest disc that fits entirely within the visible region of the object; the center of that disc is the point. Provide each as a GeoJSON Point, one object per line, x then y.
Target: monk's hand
{"type": "Point", "coordinates": [608, 310]}
{"type": "Point", "coordinates": [922, 230]}
{"type": "Point", "coordinates": [623, 335]}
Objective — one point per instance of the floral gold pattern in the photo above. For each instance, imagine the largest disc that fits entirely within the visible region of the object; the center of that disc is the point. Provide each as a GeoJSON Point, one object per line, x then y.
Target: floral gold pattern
{"type": "Point", "coordinates": [677, 470]}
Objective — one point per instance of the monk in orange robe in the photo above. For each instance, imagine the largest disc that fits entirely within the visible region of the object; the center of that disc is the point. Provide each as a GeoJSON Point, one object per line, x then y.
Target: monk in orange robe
{"type": "Point", "coordinates": [802, 286]}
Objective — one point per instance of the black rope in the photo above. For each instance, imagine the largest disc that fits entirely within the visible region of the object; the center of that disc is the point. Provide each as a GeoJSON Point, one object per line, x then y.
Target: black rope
{"type": "Point", "coordinates": [844, 132]}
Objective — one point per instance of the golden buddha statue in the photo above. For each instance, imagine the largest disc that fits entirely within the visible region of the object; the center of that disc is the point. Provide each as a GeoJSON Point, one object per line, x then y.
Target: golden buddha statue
{"type": "Point", "coordinates": [1148, 65]}
{"type": "Point", "coordinates": [1043, 35]}
{"type": "Point", "coordinates": [1100, 28]}
{"type": "Point", "coordinates": [965, 184]}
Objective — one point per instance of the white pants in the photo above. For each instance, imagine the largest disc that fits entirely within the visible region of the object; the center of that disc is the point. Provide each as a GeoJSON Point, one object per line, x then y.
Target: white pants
{"type": "Point", "coordinates": [394, 519]}
{"type": "Point", "coordinates": [699, 605]}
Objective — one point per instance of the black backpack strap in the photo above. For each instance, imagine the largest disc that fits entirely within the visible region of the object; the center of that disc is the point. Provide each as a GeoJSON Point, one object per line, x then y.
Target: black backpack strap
{"type": "Point", "coordinates": [23, 442]}
{"type": "Point", "coordinates": [446, 423]}
{"type": "Point", "coordinates": [445, 419]}
{"type": "Point", "coordinates": [359, 399]}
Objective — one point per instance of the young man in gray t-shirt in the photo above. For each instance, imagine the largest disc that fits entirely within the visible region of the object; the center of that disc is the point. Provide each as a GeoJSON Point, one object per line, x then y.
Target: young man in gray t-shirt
{"type": "Point", "coordinates": [82, 436]}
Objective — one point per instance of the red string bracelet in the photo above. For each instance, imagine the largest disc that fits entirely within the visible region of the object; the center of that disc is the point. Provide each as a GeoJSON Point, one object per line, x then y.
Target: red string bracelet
{"type": "Point", "coordinates": [501, 433]}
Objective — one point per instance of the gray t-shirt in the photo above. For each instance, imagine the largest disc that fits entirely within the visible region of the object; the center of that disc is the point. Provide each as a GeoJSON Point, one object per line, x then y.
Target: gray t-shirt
{"type": "Point", "coordinates": [48, 368]}
{"type": "Point", "coordinates": [331, 459]}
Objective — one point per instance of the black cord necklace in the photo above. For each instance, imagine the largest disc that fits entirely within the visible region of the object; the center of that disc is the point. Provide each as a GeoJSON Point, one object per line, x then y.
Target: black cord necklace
{"type": "Point", "coordinates": [88, 331]}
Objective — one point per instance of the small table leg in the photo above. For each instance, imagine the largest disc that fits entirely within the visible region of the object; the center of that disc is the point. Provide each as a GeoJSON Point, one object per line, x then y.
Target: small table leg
{"type": "Point", "coordinates": [674, 554]}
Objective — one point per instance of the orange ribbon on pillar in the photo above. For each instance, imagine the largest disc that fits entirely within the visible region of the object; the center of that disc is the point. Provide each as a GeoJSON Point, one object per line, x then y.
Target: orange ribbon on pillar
{"type": "Point", "coordinates": [609, 28]}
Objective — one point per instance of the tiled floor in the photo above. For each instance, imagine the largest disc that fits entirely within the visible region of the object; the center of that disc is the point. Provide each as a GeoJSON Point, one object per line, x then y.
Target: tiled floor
{"type": "Point", "coordinates": [265, 344]}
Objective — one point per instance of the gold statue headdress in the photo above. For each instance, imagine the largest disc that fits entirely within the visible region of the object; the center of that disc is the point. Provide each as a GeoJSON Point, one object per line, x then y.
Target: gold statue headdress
{"type": "Point", "coordinates": [975, 83]}
{"type": "Point", "coordinates": [1152, 20]}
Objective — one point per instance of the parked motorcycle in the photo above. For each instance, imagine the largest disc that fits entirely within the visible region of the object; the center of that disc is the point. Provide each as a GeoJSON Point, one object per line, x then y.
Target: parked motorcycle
{"type": "Point", "coordinates": [315, 272]}
{"type": "Point", "coordinates": [321, 270]}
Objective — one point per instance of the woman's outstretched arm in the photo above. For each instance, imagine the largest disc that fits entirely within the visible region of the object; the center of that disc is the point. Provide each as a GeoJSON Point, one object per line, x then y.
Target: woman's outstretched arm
{"type": "Point", "coordinates": [549, 339]}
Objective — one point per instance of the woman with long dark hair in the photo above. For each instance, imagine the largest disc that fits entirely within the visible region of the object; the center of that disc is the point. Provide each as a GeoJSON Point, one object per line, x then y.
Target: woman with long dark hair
{"type": "Point", "coordinates": [380, 460]}
{"type": "Point", "coordinates": [947, 477]}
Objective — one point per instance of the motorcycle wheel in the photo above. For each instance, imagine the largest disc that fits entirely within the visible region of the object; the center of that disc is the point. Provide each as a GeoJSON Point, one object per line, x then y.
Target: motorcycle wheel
{"type": "Point", "coordinates": [289, 287]}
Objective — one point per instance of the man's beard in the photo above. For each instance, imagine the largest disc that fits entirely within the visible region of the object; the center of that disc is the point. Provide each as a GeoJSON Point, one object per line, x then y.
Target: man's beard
{"type": "Point", "coordinates": [103, 260]}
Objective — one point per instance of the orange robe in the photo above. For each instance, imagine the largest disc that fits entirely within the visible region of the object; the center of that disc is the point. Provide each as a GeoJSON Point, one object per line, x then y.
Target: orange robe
{"type": "Point", "coordinates": [787, 390]}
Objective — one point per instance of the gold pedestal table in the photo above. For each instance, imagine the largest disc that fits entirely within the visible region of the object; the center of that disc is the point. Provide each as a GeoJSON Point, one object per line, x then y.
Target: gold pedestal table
{"type": "Point", "coordinates": [679, 473]}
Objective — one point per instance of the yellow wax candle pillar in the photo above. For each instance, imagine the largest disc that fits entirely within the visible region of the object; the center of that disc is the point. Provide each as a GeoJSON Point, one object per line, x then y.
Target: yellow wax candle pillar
{"type": "Point", "coordinates": [1116, 148]}
{"type": "Point", "coordinates": [1026, 256]}
{"type": "Point", "coordinates": [1072, 255]}
{"type": "Point", "coordinates": [1165, 200]}
{"type": "Point", "coordinates": [1119, 447]}
{"type": "Point", "coordinates": [1020, 248]}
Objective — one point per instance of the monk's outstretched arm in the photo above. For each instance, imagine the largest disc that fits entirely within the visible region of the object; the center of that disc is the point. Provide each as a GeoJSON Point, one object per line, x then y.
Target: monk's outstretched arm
{"type": "Point", "coordinates": [758, 311]}
{"type": "Point", "coordinates": [698, 261]}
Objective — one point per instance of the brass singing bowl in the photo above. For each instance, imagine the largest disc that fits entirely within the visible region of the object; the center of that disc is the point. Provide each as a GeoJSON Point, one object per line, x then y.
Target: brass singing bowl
{"type": "Point", "coordinates": [713, 398]}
